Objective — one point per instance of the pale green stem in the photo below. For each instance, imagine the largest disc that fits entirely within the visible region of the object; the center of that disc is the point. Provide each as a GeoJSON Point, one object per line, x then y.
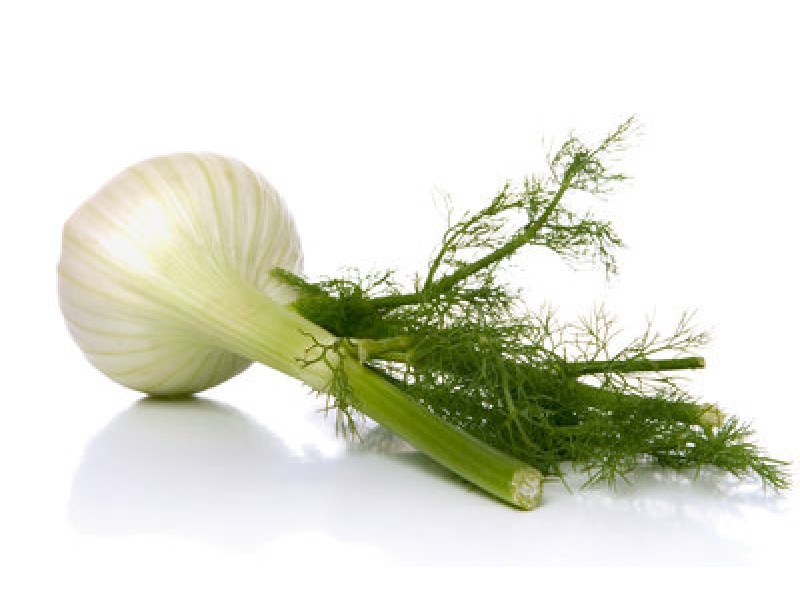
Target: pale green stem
{"type": "Point", "coordinates": [250, 324]}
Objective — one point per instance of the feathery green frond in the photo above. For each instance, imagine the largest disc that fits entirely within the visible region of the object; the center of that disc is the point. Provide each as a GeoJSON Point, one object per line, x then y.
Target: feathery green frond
{"type": "Point", "coordinates": [464, 345]}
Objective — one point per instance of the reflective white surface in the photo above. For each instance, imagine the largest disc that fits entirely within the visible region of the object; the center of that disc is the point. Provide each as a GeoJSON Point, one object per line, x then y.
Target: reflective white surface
{"type": "Point", "coordinates": [205, 472]}
{"type": "Point", "coordinates": [357, 113]}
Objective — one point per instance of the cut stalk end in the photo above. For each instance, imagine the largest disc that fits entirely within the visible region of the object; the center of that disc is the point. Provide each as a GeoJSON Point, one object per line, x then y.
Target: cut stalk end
{"type": "Point", "coordinates": [712, 417]}
{"type": "Point", "coordinates": [526, 488]}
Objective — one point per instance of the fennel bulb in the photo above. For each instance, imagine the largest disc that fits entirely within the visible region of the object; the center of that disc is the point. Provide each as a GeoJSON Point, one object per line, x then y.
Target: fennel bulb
{"type": "Point", "coordinates": [162, 236]}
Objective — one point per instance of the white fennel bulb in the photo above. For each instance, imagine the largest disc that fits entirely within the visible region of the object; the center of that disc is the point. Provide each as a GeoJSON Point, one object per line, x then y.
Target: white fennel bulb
{"type": "Point", "coordinates": [166, 228]}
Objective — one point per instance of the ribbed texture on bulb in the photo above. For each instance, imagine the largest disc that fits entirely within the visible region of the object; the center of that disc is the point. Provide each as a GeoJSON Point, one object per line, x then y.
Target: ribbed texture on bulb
{"type": "Point", "coordinates": [163, 236]}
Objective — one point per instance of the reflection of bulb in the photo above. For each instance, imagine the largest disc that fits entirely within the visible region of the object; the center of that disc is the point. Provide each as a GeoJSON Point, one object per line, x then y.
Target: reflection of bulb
{"type": "Point", "coordinates": [193, 468]}
{"type": "Point", "coordinates": [203, 471]}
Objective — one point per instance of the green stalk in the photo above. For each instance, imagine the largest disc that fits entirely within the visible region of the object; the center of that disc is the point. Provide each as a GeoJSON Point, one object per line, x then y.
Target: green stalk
{"type": "Point", "coordinates": [250, 324]}
{"type": "Point", "coordinates": [643, 365]}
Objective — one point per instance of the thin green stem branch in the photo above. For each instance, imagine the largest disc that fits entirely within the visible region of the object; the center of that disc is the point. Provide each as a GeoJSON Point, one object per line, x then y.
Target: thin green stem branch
{"type": "Point", "coordinates": [443, 284]}
{"type": "Point", "coordinates": [394, 348]}
{"type": "Point", "coordinates": [592, 367]}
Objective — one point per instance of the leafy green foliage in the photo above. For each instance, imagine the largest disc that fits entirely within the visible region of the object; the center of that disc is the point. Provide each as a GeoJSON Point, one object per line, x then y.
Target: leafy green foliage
{"type": "Point", "coordinates": [343, 305]}
{"type": "Point", "coordinates": [463, 344]}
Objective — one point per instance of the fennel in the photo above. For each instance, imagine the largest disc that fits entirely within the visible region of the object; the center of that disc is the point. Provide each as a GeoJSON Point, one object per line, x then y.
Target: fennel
{"type": "Point", "coordinates": [185, 268]}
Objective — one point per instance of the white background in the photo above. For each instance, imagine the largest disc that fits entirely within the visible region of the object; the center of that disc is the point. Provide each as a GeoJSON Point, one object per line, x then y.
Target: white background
{"type": "Point", "coordinates": [359, 114]}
